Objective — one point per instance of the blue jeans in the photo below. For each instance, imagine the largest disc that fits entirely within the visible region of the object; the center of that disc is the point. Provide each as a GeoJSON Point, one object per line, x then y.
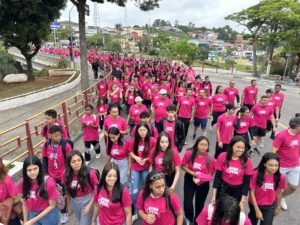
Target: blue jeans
{"type": "Point", "coordinates": [123, 167]}
{"type": "Point", "coordinates": [78, 206]}
{"type": "Point", "coordinates": [137, 177]}
{"type": "Point", "coordinates": [52, 218]}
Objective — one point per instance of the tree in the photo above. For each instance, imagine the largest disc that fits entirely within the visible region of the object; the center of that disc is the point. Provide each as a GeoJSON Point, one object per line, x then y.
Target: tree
{"type": "Point", "coordinates": [251, 19]}
{"type": "Point", "coordinates": [26, 24]}
{"type": "Point", "coordinates": [143, 5]}
{"type": "Point", "coordinates": [161, 39]}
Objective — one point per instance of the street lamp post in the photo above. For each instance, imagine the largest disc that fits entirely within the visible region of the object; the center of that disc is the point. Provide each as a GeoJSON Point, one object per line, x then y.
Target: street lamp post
{"type": "Point", "coordinates": [288, 55]}
{"type": "Point", "coordinates": [71, 39]}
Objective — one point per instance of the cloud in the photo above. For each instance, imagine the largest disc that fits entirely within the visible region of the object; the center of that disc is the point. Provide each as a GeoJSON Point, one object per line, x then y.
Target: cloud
{"type": "Point", "coordinates": [201, 12]}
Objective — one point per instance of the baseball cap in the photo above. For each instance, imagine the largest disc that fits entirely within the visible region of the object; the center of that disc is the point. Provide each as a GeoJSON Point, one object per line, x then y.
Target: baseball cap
{"type": "Point", "coordinates": [163, 92]}
{"type": "Point", "coordinates": [138, 99]}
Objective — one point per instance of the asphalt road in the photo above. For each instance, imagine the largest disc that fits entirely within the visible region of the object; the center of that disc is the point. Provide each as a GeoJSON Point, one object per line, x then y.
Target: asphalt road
{"type": "Point", "coordinates": [290, 107]}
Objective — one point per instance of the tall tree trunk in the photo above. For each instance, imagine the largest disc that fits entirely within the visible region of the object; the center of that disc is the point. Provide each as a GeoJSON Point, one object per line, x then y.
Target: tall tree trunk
{"type": "Point", "coordinates": [270, 57]}
{"type": "Point", "coordinates": [29, 67]}
{"type": "Point", "coordinates": [83, 50]}
{"type": "Point", "coordinates": [298, 65]}
{"type": "Point", "coordinates": [254, 56]}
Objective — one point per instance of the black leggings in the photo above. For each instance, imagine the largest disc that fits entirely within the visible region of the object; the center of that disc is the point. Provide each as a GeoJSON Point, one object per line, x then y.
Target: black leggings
{"type": "Point", "coordinates": [215, 117]}
{"type": "Point", "coordinates": [190, 190]}
{"type": "Point", "coordinates": [234, 191]}
{"type": "Point", "coordinates": [186, 124]}
{"type": "Point", "coordinates": [87, 153]}
{"type": "Point", "coordinates": [268, 212]}
{"type": "Point", "coordinates": [170, 178]}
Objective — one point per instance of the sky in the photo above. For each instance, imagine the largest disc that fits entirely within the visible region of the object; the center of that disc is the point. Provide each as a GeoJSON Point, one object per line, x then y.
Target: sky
{"type": "Point", "coordinates": [208, 13]}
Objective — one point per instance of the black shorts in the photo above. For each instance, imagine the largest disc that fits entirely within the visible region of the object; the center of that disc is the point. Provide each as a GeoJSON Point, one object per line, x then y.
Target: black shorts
{"type": "Point", "coordinates": [258, 131]}
{"type": "Point", "coordinates": [269, 126]}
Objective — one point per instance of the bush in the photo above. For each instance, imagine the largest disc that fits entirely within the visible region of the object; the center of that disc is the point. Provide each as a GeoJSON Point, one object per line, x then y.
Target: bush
{"type": "Point", "coordinates": [6, 63]}
{"type": "Point", "coordinates": [229, 63]}
{"type": "Point", "coordinates": [153, 52]}
{"type": "Point", "coordinates": [62, 63]}
{"type": "Point", "coordinates": [41, 73]}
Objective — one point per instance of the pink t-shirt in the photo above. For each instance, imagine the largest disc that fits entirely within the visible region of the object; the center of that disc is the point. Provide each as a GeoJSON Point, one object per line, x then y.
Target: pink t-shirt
{"type": "Point", "coordinates": [118, 152]}
{"type": "Point", "coordinates": [202, 219]}
{"type": "Point", "coordinates": [90, 133]}
{"type": "Point", "coordinates": [130, 98]}
{"type": "Point", "coordinates": [158, 207]}
{"type": "Point", "coordinates": [288, 148]}
{"type": "Point", "coordinates": [160, 107]}
{"type": "Point", "coordinates": [244, 124]}
{"type": "Point", "coordinates": [226, 127]}
{"type": "Point", "coordinates": [169, 127]}
{"type": "Point", "coordinates": [207, 87]}
{"type": "Point", "coordinates": [158, 161]}
{"type": "Point", "coordinates": [102, 109]}
{"type": "Point", "coordinates": [88, 189]}
{"type": "Point", "coordinates": [261, 115]}
{"type": "Point", "coordinates": [250, 94]}
{"type": "Point", "coordinates": [35, 202]}
{"type": "Point", "coordinates": [8, 188]}
{"type": "Point", "coordinates": [218, 103]}
{"type": "Point", "coordinates": [202, 107]}
{"type": "Point", "coordinates": [112, 213]}
{"type": "Point", "coordinates": [266, 194]}
{"type": "Point", "coordinates": [64, 132]}
{"type": "Point", "coordinates": [231, 94]}
{"type": "Point", "coordinates": [179, 92]}
{"type": "Point", "coordinates": [119, 123]}
{"type": "Point", "coordinates": [102, 88]}
{"type": "Point", "coordinates": [154, 96]}
{"type": "Point", "coordinates": [56, 159]}
{"type": "Point", "coordinates": [234, 173]}
{"type": "Point", "coordinates": [185, 107]}
{"type": "Point", "coordinates": [134, 165]}
{"type": "Point", "coordinates": [272, 104]}
{"type": "Point", "coordinates": [135, 111]}
{"type": "Point", "coordinates": [116, 97]}
{"type": "Point", "coordinates": [278, 97]}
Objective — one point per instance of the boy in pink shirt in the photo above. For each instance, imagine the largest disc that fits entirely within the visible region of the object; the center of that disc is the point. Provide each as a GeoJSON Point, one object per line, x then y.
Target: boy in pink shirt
{"type": "Point", "coordinates": [186, 110]}
{"type": "Point", "coordinates": [159, 107]}
{"type": "Point", "coordinates": [232, 92]}
{"type": "Point", "coordinates": [249, 96]}
{"type": "Point", "coordinates": [287, 146]}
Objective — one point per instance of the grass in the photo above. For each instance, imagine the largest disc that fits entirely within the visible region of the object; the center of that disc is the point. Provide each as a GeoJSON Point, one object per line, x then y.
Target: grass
{"type": "Point", "coordinates": [238, 67]}
{"type": "Point", "coordinates": [10, 90]}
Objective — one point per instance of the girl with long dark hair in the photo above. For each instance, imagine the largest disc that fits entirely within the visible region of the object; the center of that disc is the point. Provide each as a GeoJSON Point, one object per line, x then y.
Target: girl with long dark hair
{"type": "Point", "coordinates": [141, 145]}
{"type": "Point", "coordinates": [166, 160]}
{"type": "Point", "coordinates": [113, 203]}
{"type": "Point", "coordinates": [226, 211]}
{"type": "Point", "coordinates": [199, 167]}
{"type": "Point", "coordinates": [80, 182]}
{"type": "Point", "coordinates": [266, 187]}
{"type": "Point", "coordinates": [38, 194]}
{"type": "Point", "coordinates": [117, 150]}
{"type": "Point", "coordinates": [155, 203]}
{"type": "Point", "coordinates": [233, 172]}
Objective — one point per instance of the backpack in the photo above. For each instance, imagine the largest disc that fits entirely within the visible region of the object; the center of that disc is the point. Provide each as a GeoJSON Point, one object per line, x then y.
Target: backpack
{"type": "Point", "coordinates": [63, 143]}
{"type": "Point", "coordinates": [96, 172]}
{"type": "Point", "coordinates": [45, 131]}
{"type": "Point", "coordinates": [61, 200]}
{"type": "Point", "coordinates": [210, 211]}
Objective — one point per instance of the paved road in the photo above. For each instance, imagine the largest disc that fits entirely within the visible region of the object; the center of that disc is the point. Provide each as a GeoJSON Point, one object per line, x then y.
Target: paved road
{"type": "Point", "coordinates": [289, 109]}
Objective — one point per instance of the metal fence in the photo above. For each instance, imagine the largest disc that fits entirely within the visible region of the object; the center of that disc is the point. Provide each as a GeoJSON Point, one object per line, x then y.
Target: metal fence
{"type": "Point", "coordinates": [25, 138]}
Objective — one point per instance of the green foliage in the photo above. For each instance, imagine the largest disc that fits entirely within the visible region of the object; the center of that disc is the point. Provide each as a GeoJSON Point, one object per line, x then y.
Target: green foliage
{"type": "Point", "coordinates": [105, 42]}
{"type": "Point", "coordinates": [6, 64]}
{"type": "Point", "coordinates": [24, 24]}
{"type": "Point", "coordinates": [153, 52]}
{"type": "Point", "coordinates": [161, 39]}
{"type": "Point", "coordinates": [229, 63]}
{"type": "Point", "coordinates": [61, 34]}
{"type": "Point", "coordinates": [41, 73]}
{"type": "Point", "coordinates": [62, 63]}
{"type": "Point", "coordinates": [226, 33]}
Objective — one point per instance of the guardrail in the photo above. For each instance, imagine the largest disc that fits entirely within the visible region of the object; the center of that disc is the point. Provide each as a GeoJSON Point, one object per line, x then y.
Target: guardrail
{"type": "Point", "coordinates": [25, 138]}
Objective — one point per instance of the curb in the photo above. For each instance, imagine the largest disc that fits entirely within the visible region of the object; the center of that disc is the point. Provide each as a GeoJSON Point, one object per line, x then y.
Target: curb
{"type": "Point", "coordinates": [38, 95]}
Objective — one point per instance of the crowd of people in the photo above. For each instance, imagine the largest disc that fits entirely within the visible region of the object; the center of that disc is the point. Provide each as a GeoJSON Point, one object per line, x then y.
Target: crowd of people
{"type": "Point", "coordinates": [144, 111]}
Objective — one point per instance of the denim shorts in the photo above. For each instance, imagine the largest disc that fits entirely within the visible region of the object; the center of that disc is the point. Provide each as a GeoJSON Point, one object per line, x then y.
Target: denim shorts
{"type": "Point", "coordinates": [202, 122]}
{"type": "Point", "coordinates": [52, 218]}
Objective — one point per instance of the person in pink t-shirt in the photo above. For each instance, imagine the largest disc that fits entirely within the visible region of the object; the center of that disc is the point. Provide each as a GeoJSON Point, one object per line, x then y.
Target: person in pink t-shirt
{"type": "Point", "coordinates": [179, 92]}
{"type": "Point", "coordinates": [159, 107]}
{"type": "Point", "coordinates": [115, 120]}
{"type": "Point", "coordinates": [102, 109]}
{"type": "Point", "coordinates": [80, 182]}
{"type": "Point", "coordinates": [130, 95]}
{"type": "Point", "coordinates": [219, 101]}
{"type": "Point", "coordinates": [166, 160]}
{"type": "Point", "coordinates": [287, 146]}
{"type": "Point", "coordinates": [232, 92]}
{"type": "Point", "coordinates": [112, 199]}
{"type": "Point", "coordinates": [146, 117]}
{"type": "Point", "coordinates": [38, 194]}
{"type": "Point", "coordinates": [8, 190]}
{"type": "Point", "coordinates": [233, 172]}
{"type": "Point", "coordinates": [249, 96]}
{"type": "Point", "coordinates": [261, 114]}
{"type": "Point", "coordinates": [135, 111]}
{"type": "Point", "coordinates": [226, 211]}
{"type": "Point", "coordinates": [186, 110]}
{"type": "Point", "coordinates": [156, 205]}
{"type": "Point", "coordinates": [90, 125]}
{"type": "Point", "coordinates": [225, 129]}
{"type": "Point", "coordinates": [199, 167]}
{"type": "Point", "coordinates": [117, 151]}
{"type": "Point", "coordinates": [141, 145]}
{"type": "Point", "coordinates": [206, 84]}
{"type": "Point", "coordinates": [102, 87]}
{"type": "Point", "coordinates": [114, 95]}
{"type": "Point", "coordinates": [202, 112]}
{"type": "Point", "coordinates": [266, 187]}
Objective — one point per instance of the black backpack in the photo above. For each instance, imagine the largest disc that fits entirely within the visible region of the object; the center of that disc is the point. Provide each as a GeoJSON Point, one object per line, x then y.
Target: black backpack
{"type": "Point", "coordinates": [45, 131]}
{"type": "Point", "coordinates": [96, 172]}
{"type": "Point", "coordinates": [63, 143]}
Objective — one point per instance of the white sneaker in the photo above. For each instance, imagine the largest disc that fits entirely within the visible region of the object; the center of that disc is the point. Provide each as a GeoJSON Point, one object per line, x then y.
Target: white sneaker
{"type": "Point", "coordinates": [134, 217]}
{"type": "Point", "coordinates": [283, 204]}
{"type": "Point", "coordinates": [64, 218]}
{"type": "Point", "coordinates": [98, 156]}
